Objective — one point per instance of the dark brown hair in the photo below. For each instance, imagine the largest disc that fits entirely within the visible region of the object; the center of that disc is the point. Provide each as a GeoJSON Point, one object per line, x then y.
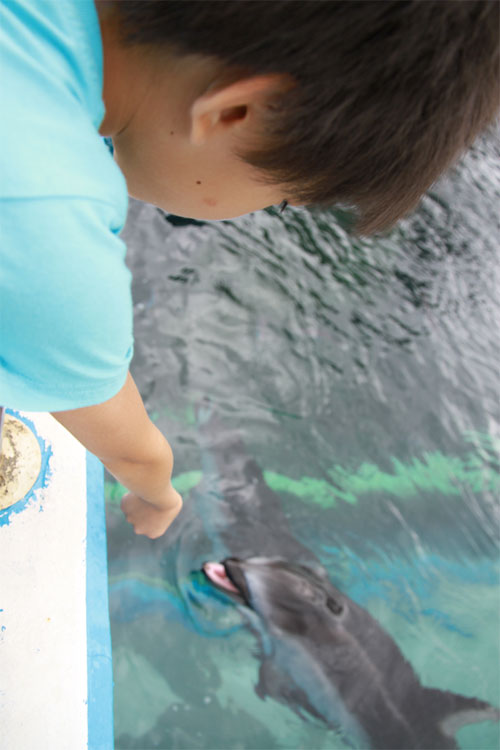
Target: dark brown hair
{"type": "Point", "coordinates": [388, 92]}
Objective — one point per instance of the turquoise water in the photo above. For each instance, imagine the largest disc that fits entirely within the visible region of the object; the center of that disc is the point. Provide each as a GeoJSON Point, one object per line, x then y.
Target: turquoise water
{"type": "Point", "coordinates": [363, 377]}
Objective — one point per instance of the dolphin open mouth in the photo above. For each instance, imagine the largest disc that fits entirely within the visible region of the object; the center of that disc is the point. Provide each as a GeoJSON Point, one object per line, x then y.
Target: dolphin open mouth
{"type": "Point", "coordinates": [228, 577]}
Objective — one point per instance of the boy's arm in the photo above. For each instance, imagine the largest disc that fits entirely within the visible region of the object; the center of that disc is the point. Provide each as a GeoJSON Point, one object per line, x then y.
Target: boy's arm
{"type": "Point", "coordinates": [120, 433]}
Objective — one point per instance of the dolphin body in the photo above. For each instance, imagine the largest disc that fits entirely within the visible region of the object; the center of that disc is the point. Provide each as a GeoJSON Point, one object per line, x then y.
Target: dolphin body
{"type": "Point", "coordinates": [326, 655]}
{"type": "Point", "coordinates": [321, 652]}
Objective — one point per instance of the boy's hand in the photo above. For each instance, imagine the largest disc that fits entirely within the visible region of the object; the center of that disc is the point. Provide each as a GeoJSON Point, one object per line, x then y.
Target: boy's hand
{"type": "Point", "coordinates": [148, 519]}
{"type": "Point", "coordinates": [129, 445]}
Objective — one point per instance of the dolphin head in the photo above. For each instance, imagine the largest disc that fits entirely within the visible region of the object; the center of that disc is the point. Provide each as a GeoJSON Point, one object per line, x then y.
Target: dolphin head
{"type": "Point", "coordinates": [289, 597]}
{"type": "Point", "coordinates": [301, 619]}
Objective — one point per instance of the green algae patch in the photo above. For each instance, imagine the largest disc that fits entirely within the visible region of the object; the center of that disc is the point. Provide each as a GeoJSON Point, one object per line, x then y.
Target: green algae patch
{"type": "Point", "coordinates": [307, 489]}
{"type": "Point", "coordinates": [476, 471]}
{"type": "Point", "coordinates": [113, 492]}
{"type": "Point", "coordinates": [187, 481]}
{"type": "Point", "coordinates": [433, 472]}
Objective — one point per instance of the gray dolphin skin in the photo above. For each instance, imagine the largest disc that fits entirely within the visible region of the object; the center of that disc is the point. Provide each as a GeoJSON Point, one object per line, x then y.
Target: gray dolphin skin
{"type": "Point", "coordinates": [324, 654]}
{"type": "Point", "coordinates": [321, 652]}
{"type": "Point", "coordinates": [240, 512]}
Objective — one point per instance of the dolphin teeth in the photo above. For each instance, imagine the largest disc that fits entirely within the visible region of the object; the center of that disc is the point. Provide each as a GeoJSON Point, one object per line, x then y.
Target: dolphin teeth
{"type": "Point", "coordinates": [217, 574]}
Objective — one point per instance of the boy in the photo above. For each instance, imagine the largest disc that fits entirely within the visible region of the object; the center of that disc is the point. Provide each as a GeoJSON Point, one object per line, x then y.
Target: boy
{"type": "Point", "coordinates": [215, 109]}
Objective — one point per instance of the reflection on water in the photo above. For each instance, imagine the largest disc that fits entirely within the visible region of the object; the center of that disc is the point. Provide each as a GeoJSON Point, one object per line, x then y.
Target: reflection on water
{"type": "Point", "coordinates": [363, 377]}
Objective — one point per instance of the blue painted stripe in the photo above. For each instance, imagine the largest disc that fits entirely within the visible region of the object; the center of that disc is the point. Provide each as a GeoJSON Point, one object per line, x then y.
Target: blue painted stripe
{"type": "Point", "coordinates": [99, 662]}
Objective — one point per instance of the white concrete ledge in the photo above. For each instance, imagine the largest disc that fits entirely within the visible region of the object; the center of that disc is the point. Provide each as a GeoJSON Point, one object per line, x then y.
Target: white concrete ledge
{"type": "Point", "coordinates": [55, 648]}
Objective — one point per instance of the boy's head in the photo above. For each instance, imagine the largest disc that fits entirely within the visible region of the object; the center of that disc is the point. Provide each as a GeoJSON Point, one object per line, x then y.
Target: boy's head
{"type": "Point", "coordinates": [353, 102]}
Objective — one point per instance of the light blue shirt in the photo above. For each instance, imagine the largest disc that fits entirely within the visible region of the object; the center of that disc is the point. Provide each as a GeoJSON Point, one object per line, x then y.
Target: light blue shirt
{"type": "Point", "coordinates": [65, 301]}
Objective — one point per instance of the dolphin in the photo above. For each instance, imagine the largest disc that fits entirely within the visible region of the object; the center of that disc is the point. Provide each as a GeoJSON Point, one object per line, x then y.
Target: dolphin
{"type": "Point", "coordinates": [321, 653]}
{"type": "Point", "coordinates": [327, 656]}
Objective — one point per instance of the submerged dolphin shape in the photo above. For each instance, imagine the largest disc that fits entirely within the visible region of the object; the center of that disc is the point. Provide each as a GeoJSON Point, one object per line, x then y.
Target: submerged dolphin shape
{"type": "Point", "coordinates": [328, 656]}
{"type": "Point", "coordinates": [240, 513]}
{"type": "Point", "coordinates": [321, 653]}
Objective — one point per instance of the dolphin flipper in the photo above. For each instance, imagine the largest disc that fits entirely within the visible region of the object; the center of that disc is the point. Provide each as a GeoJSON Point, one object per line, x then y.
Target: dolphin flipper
{"type": "Point", "coordinates": [272, 683]}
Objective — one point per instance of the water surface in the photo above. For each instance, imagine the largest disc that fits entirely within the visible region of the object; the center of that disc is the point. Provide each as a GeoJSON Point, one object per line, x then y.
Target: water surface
{"type": "Point", "coordinates": [363, 375]}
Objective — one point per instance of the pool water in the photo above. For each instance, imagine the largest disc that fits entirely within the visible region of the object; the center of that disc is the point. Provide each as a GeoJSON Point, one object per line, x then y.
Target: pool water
{"type": "Point", "coordinates": [362, 375]}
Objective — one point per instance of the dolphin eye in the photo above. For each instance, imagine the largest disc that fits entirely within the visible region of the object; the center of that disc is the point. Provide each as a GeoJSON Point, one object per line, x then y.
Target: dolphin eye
{"type": "Point", "coordinates": [334, 606]}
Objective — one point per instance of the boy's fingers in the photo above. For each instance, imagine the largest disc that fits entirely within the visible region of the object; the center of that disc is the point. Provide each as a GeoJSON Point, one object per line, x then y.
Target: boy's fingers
{"type": "Point", "coordinates": [146, 518]}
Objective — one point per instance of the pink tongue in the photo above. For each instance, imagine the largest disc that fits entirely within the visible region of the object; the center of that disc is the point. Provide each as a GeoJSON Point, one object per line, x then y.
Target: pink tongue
{"type": "Point", "coordinates": [217, 574]}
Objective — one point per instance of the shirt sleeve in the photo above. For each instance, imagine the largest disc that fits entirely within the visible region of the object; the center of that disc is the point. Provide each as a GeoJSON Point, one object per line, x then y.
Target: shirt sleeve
{"type": "Point", "coordinates": [65, 304]}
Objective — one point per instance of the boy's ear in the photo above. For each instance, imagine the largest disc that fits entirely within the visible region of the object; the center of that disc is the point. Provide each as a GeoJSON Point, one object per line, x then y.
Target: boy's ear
{"type": "Point", "coordinates": [234, 105]}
